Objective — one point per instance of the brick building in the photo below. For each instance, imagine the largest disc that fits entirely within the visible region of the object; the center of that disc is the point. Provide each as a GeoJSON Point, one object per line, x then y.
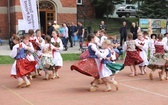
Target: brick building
{"type": "Point", "coordinates": [49, 10]}
{"type": "Point", "coordinates": [85, 9]}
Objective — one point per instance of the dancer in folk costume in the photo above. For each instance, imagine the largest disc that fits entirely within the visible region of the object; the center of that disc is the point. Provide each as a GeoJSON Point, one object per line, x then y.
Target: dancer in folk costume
{"type": "Point", "coordinates": [142, 48]}
{"type": "Point", "coordinates": [113, 53]}
{"type": "Point", "coordinates": [22, 66]}
{"type": "Point", "coordinates": [47, 60]}
{"type": "Point", "coordinates": [146, 37]}
{"type": "Point", "coordinates": [108, 69]}
{"type": "Point", "coordinates": [38, 52]}
{"type": "Point", "coordinates": [90, 65]}
{"type": "Point", "coordinates": [103, 36]}
{"type": "Point", "coordinates": [152, 44]}
{"type": "Point", "coordinates": [158, 61]}
{"type": "Point", "coordinates": [58, 61]}
{"type": "Point", "coordinates": [97, 39]}
{"type": "Point", "coordinates": [132, 57]}
{"type": "Point", "coordinates": [35, 42]}
{"type": "Point", "coordinates": [29, 54]}
{"type": "Point", "coordinates": [33, 39]}
{"type": "Point", "coordinates": [40, 42]}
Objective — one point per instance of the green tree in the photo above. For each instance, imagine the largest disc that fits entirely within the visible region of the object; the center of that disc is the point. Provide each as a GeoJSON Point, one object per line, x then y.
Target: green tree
{"type": "Point", "coordinates": [104, 7]}
{"type": "Point", "coordinates": [155, 9]}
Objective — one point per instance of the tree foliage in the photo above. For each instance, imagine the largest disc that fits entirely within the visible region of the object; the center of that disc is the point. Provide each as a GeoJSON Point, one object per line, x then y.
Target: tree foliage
{"type": "Point", "coordinates": [103, 7]}
{"type": "Point", "coordinates": [156, 9]}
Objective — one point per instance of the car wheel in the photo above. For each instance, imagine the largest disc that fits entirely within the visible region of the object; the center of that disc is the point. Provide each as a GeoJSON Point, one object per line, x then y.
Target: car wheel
{"type": "Point", "coordinates": [127, 15]}
{"type": "Point", "coordinates": [119, 15]}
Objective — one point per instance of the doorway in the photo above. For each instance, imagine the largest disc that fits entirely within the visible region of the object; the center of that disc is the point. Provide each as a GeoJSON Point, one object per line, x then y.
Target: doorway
{"type": "Point", "coordinates": [43, 22]}
{"type": "Point", "coordinates": [47, 14]}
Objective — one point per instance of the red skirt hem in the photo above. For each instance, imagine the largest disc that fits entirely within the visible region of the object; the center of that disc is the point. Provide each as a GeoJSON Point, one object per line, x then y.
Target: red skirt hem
{"type": "Point", "coordinates": [24, 67]}
{"type": "Point", "coordinates": [87, 67]}
{"type": "Point", "coordinates": [132, 57]}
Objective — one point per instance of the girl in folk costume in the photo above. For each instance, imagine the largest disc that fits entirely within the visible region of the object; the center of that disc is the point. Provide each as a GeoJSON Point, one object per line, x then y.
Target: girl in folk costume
{"type": "Point", "coordinates": [90, 65]}
{"type": "Point", "coordinates": [142, 48]}
{"type": "Point", "coordinates": [107, 71]}
{"type": "Point", "coordinates": [152, 44]}
{"type": "Point", "coordinates": [97, 39]}
{"type": "Point", "coordinates": [158, 61]}
{"type": "Point", "coordinates": [40, 42]}
{"type": "Point", "coordinates": [113, 53]}
{"type": "Point", "coordinates": [103, 36]}
{"type": "Point", "coordinates": [132, 57]}
{"type": "Point", "coordinates": [22, 66]}
{"type": "Point", "coordinates": [29, 55]}
{"type": "Point", "coordinates": [58, 62]}
{"type": "Point", "coordinates": [47, 61]}
{"type": "Point", "coordinates": [33, 39]}
{"type": "Point", "coordinates": [146, 37]}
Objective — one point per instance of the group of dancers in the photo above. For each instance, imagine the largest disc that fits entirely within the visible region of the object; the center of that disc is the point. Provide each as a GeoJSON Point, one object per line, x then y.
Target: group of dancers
{"type": "Point", "coordinates": [32, 53]}
{"type": "Point", "coordinates": [143, 52]}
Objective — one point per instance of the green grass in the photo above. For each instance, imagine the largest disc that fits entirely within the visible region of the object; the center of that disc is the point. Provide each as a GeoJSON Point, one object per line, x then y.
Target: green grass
{"type": "Point", "coordinates": [113, 24]}
{"type": "Point", "coordinates": [66, 57]}
{"type": "Point", "coordinates": [6, 60]}
{"type": "Point", "coordinates": [70, 57]}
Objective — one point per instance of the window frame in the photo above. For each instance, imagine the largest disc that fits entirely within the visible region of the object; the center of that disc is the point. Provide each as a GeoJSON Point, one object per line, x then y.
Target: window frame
{"type": "Point", "coordinates": [81, 3]}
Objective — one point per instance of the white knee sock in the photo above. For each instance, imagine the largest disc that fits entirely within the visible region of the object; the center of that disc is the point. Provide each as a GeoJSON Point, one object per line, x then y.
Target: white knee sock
{"type": "Point", "coordinates": [25, 79]}
{"type": "Point", "coordinates": [19, 79]}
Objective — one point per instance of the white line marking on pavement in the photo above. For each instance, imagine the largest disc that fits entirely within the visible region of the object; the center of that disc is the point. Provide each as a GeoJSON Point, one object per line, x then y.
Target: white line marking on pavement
{"type": "Point", "coordinates": [158, 94]}
{"type": "Point", "coordinates": [125, 80]}
{"type": "Point", "coordinates": [17, 95]}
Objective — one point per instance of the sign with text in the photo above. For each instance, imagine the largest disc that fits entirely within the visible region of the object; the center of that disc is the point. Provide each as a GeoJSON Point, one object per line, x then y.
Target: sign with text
{"type": "Point", "coordinates": [29, 12]}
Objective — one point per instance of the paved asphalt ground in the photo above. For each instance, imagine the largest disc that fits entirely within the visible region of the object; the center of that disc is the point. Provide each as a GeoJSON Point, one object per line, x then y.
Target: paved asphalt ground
{"type": "Point", "coordinates": [73, 88]}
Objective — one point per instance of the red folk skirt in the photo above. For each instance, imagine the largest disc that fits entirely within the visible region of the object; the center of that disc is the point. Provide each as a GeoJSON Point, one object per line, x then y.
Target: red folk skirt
{"type": "Point", "coordinates": [87, 67]}
{"type": "Point", "coordinates": [24, 67]}
{"type": "Point", "coordinates": [132, 57]}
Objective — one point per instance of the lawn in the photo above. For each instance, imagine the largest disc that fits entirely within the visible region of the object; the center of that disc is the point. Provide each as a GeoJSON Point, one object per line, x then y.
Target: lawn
{"type": "Point", "coordinates": [66, 57]}
{"type": "Point", "coordinates": [113, 24]}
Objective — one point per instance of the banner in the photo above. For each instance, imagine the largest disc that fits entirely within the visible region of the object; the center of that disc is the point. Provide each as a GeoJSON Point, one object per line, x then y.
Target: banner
{"type": "Point", "coordinates": [29, 12]}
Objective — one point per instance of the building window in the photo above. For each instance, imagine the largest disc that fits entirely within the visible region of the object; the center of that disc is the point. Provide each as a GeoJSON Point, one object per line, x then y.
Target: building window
{"type": "Point", "coordinates": [128, 1]}
{"type": "Point", "coordinates": [79, 2]}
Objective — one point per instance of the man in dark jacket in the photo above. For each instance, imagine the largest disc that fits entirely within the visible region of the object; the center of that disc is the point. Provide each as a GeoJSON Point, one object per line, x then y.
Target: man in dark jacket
{"type": "Point", "coordinates": [134, 30]}
{"type": "Point", "coordinates": [123, 33]}
{"type": "Point", "coordinates": [50, 29]}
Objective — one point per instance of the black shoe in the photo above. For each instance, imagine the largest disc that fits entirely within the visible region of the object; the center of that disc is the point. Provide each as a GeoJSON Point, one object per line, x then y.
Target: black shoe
{"type": "Point", "coordinates": [65, 49]}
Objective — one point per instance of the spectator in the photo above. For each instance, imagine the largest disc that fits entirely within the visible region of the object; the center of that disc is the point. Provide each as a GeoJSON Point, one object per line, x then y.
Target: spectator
{"type": "Point", "coordinates": [65, 36]}
{"type": "Point", "coordinates": [50, 29]}
{"type": "Point", "coordinates": [70, 34]}
{"type": "Point", "coordinates": [61, 29]}
{"type": "Point", "coordinates": [80, 34]}
{"type": "Point", "coordinates": [134, 30]}
{"type": "Point", "coordinates": [123, 33]}
{"type": "Point", "coordinates": [117, 48]}
{"type": "Point", "coordinates": [73, 30]}
{"type": "Point", "coordinates": [56, 26]}
{"type": "Point", "coordinates": [102, 26]}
